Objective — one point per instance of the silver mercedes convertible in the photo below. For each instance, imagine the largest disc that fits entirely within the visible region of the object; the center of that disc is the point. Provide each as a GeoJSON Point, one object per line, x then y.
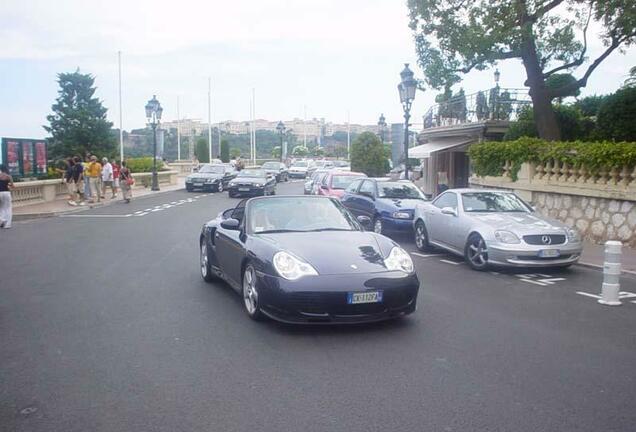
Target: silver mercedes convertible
{"type": "Point", "coordinates": [494, 227]}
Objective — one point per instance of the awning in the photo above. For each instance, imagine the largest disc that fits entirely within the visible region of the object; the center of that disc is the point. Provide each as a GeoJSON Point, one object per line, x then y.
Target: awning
{"type": "Point", "coordinates": [438, 144]}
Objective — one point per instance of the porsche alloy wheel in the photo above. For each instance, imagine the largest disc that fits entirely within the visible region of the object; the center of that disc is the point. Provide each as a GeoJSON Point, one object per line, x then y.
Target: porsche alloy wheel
{"type": "Point", "coordinates": [250, 295]}
{"type": "Point", "coordinates": [421, 237]}
{"type": "Point", "coordinates": [206, 271]}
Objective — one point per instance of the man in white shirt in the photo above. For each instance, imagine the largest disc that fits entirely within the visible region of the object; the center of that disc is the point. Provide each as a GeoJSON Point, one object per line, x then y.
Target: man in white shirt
{"type": "Point", "coordinates": [107, 176]}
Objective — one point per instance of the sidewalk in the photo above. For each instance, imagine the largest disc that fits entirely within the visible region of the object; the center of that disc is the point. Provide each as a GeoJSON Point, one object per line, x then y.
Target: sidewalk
{"type": "Point", "coordinates": [60, 206]}
{"type": "Point", "coordinates": [593, 256]}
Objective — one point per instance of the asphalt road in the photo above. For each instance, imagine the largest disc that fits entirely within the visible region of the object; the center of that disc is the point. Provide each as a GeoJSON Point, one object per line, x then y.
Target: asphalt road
{"type": "Point", "coordinates": [106, 325]}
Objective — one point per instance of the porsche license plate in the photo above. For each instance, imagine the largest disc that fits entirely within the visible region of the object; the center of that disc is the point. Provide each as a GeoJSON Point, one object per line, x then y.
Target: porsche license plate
{"type": "Point", "coordinates": [364, 297]}
{"type": "Point", "coordinates": [549, 253]}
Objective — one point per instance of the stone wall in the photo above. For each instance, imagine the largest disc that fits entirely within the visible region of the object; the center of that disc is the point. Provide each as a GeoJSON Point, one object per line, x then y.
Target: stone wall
{"type": "Point", "coordinates": [598, 219]}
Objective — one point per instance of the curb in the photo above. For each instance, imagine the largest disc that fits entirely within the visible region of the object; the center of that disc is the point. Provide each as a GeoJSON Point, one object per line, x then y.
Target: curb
{"type": "Point", "coordinates": [43, 215]}
{"type": "Point", "coordinates": [600, 267]}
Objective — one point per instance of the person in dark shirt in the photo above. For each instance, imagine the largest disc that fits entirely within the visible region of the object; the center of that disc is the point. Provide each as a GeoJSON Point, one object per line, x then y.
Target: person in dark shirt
{"type": "Point", "coordinates": [78, 178]}
{"type": "Point", "coordinates": [6, 185]}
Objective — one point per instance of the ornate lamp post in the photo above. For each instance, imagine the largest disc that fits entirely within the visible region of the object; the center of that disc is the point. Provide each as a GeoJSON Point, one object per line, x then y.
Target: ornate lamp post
{"type": "Point", "coordinates": [407, 88]}
{"type": "Point", "coordinates": [280, 127]}
{"type": "Point", "coordinates": [381, 127]}
{"type": "Point", "coordinates": [153, 115]}
{"type": "Point", "coordinates": [495, 95]}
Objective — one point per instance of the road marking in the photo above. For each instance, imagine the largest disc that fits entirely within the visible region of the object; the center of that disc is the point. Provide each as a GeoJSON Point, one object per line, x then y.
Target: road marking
{"type": "Point", "coordinates": [622, 295]}
{"type": "Point", "coordinates": [534, 278]}
{"type": "Point", "coordinates": [451, 262]}
{"type": "Point", "coordinates": [423, 255]}
{"type": "Point", "coordinates": [95, 216]}
{"type": "Point", "coordinates": [588, 294]}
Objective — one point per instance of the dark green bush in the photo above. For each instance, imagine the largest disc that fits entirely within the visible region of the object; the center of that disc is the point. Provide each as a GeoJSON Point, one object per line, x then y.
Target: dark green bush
{"type": "Point", "coordinates": [143, 164]}
{"type": "Point", "coordinates": [572, 124]}
{"type": "Point", "coordinates": [367, 155]}
{"type": "Point", "coordinates": [616, 119]}
{"type": "Point", "coordinates": [225, 151]}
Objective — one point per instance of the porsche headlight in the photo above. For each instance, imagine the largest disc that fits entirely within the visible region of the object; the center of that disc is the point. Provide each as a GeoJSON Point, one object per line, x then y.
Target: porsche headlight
{"type": "Point", "coordinates": [508, 237]}
{"type": "Point", "coordinates": [401, 215]}
{"type": "Point", "coordinates": [258, 184]}
{"type": "Point", "coordinates": [291, 268]}
{"type": "Point", "coordinates": [231, 183]}
{"type": "Point", "coordinates": [573, 235]}
{"type": "Point", "coordinates": [399, 259]}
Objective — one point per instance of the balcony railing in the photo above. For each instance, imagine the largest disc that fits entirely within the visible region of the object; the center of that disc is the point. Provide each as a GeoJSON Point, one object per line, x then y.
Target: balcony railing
{"type": "Point", "coordinates": [503, 104]}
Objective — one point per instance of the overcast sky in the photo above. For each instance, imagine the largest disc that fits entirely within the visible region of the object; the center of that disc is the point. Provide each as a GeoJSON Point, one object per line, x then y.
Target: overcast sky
{"type": "Point", "coordinates": [331, 56]}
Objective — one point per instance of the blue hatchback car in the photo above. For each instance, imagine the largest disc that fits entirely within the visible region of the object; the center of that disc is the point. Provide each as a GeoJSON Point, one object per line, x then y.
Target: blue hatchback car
{"type": "Point", "coordinates": [389, 204]}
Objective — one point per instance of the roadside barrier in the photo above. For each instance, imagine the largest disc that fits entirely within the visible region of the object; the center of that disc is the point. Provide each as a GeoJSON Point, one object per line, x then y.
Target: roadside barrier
{"type": "Point", "coordinates": [611, 274]}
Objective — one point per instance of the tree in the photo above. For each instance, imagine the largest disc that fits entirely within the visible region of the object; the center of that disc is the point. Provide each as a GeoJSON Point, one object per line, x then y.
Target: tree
{"type": "Point", "coordinates": [201, 150]}
{"type": "Point", "coordinates": [571, 123]}
{"type": "Point", "coordinates": [235, 153]}
{"type": "Point", "coordinates": [276, 152]}
{"type": "Point", "coordinates": [557, 81]}
{"type": "Point", "coordinates": [367, 155]}
{"type": "Point", "coordinates": [590, 105]}
{"type": "Point", "coordinates": [631, 80]}
{"type": "Point", "coordinates": [318, 152]}
{"type": "Point", "coordinates": [225, 151]}
{"type": "Point", "coordinates": [452, 38]}
{"type": "Point", "coordinates": [78, 124]}
{"type": "Point", "coordinates": [300, 150]}
{"type": "Point", "coordinates": [615, 119]}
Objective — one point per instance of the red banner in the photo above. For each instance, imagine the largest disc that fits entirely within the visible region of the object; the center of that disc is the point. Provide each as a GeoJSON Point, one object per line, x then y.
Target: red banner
{"type": "Point", "coordinates": [40, 157]}
{"type": "Point", "coordinates": [13, 158]}
{"type": "Point", "coordinates": [27, 158]}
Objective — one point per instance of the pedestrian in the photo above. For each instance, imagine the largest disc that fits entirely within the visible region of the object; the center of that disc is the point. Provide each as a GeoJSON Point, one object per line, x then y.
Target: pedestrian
{"type": "Point", "coordinates": [195, 164]}
{"type": "Point", "coordinates": [6, 186]}
{"type": "Point", "coordinates": [115, 178]}
{"type": "Point", "coordinates": [70, 182]}
{"type": "Point", "coordinates": [86, 187]}
{"type": "Point", "coordinates": [107, 176]}
{"type": "Point", "coordinates": [78, 178]}
{"type": "Point", "coordinates": [94, 173]}
{"type": "Point", "coordinates": [126, 182]}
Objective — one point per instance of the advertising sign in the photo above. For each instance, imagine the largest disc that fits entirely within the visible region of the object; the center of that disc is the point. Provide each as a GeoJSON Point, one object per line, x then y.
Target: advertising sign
{"type": "Point", "coordinates": [24, 157]}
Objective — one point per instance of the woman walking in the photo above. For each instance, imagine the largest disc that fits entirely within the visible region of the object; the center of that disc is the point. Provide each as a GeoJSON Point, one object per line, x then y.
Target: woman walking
{"type": "Point", "coordinates": [125, 182]}
{"type": "Point", "coordinates": [6, 185]}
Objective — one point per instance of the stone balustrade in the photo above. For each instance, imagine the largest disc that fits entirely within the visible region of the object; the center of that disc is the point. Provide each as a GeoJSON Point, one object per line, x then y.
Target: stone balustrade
{"type": "Point", "coordinates": [601, 205]}
{"type": "Point", "coordinates": [182, 167]}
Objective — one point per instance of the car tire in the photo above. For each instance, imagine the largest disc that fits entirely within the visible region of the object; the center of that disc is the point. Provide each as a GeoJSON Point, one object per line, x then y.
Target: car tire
{"type": "Point", "coordinates": [378, 228]}
{"type": "Point", "coordinates": [204, 261]}
{"type": "Point", "coordinates": [219, 188]}
{"type": "Point", "coordinates": [476, 253]}
{"type": "Point", "coordinates": [230, 194]}
{"type": "Point", "coordinates": [286, 177]}
{"type": "Point", "coordinates": [421, 237]}
{"type": "Point", "coordinates": [250, 293]}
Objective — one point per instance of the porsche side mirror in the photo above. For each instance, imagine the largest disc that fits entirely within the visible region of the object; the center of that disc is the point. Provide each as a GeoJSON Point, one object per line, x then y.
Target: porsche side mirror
{"type": "Point", "coordinates": [449, 211]}
{"type": "Point", "coordinates": [230, 224]}
{"type": "Point", "coordinates": [365, 221]}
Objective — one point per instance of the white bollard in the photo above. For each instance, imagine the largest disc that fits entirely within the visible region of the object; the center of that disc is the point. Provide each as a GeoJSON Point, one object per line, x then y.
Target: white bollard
{"type": "Point", "coordinates": [611, 274]}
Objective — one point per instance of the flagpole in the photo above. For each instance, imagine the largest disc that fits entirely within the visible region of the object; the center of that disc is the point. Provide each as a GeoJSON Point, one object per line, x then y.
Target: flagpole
{"type": "Point", "coordinates": [348, 135]}
{"type": "Point", "coordinates": [210, 119]}
{"type": "Point", "coordinates": [178, 132]}
{"type": "Point", "coordinates": [254, 123]}
{"type": "Point", "coordinates": [121, 127]}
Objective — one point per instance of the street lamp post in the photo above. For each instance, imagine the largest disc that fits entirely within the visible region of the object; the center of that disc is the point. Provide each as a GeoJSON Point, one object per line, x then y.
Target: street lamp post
{"type": "Point", "coordinates": [381, 127]}
{"type": "Point", "coordinates": [153, 115]}
{"type": "Point", "coordinates": [407, 88]}
{"type": "Point", "coordinates": [280, 127]}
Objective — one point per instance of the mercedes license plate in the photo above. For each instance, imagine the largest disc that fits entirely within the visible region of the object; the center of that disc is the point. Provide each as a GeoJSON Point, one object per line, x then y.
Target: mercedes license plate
{"type": "Point", "coordinates": [364, 297]}
{"type": "Point", "coordinates": [549, 253]}
{"type": "Point", "coordinates": [244, 189]}
{"type": "Point", "coordinates": [198, 184]}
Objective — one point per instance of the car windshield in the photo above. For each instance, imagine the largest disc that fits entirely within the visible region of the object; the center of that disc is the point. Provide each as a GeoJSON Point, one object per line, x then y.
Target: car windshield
{"type": "Point", "coordinates": [492, 202]}
{"type": "Point", "coordinates": [214, 169]}
{"type": "Point", "coordinates": [399, 190]}
{"type": "Point", "coordinates": [342, 181]}
{"type": "Point", "coordinates": [340, 164]}
{"type": "Point", "coordinates": [271, 165]}
{"type": "Point", "coordinates": [251, 173]}
{"type": "Point", "coordinates": [299, 214]}
{"type": "Point", "coordinates": [300, 164]}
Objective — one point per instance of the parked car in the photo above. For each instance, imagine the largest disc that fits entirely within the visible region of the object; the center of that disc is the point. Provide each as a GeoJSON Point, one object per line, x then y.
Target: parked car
{"type": "Point", "coordinates": [342, 165]}
{"type": "Point", "coordinates": [277, 169]}
{"type": "Point", "coordinates": [493, 227]}
{"type": "Point", "coordinates": [302, 169]}
{"type": "Point", "coordinates": [311, 185]}
{"type": "Point", "coordinates": [305, 259]}
{"type": "Point", "coordinates": [252, 181]}
{"type": "Point", "coordinates": [324, 164]}
{"type": "Point", "coordinates": [212, 177]}
{"type": "Point", "coordinates": [388, 204]}
{"type": "Point", "coordinates": [335, 183]}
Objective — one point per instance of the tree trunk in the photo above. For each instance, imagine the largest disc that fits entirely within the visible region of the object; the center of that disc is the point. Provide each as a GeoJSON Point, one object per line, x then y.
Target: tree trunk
{"type": "Point", "coordinates": [544, 116]}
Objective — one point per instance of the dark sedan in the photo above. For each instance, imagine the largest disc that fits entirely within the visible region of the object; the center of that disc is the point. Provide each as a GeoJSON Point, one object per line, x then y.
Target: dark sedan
{"type": "Point", "coordinates": [252, 181]}
{"type": "Point", "coordinates": [210, 177]}
{"type": "Point", "coordinates": [388, 204]}
{"type": "Point", "coordinates": [277, 169]}
{"type": "Point", "coordinates": [306, 259]}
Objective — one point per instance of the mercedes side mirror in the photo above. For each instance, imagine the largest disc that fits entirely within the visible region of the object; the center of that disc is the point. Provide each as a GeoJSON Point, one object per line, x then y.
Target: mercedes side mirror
{"type": "Point", "coordinates": [230, 224]}
{"type": "Point", "coordinates": [365, 221]}
{"type": "Point", "coordinates": [449, 211]}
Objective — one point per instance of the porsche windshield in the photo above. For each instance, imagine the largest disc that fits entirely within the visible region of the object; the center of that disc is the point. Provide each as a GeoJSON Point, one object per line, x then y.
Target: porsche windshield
{"type": "Point", "coordinates": [298, 214]}
{"type": "Point", "coordinates": [251, 173]}
{"type": "Point", "coordinates": [492, 202]}
{"type": "Point", "coordinates": [398, 190]}
{"type": "Point", "coordinates": [212, 169]}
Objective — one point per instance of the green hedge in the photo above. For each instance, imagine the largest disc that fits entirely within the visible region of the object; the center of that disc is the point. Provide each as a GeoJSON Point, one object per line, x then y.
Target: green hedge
{"type": "Point", "coordinates": [143, 164]}
{"type": "Point", "coordinates": [488, 158]}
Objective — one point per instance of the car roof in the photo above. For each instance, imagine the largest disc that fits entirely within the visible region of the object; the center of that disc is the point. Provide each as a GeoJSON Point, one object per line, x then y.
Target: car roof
{"type": "Point", "coordinates": [474, 190]}
{"type": "Point", "coordinates": [347, 173]}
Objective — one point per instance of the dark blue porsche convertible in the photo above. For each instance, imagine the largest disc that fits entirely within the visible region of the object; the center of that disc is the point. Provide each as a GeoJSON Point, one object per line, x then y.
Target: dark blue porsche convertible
{"type": "Point", "coordinates": [306, 259]}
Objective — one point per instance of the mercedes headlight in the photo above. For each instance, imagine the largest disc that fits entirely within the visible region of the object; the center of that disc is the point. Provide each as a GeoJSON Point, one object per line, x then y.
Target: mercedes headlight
{"type": "Point", "coordinates": [210, 180]}
{"type": "Point", "coordinates": [231, 183]}
{"type": "Point", "coordinates": [508, 237]}
{"type": "Point", "coordinates": [400, 260]}
{"type": "Point", "coordinates": [401, 215]}
{"type": "Point", "coordinates": [573, 235]}
{"type": "Point", "coordinates": [258, 184]}
{"type": "Point", "coordinates": [291, 268]}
